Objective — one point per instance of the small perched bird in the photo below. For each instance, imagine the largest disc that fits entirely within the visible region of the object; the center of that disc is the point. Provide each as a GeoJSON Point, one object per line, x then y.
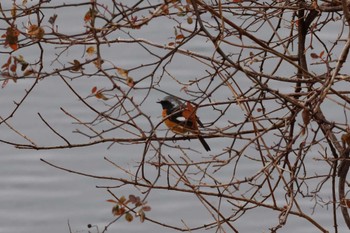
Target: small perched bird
{"type": "Point", "coordinates": [181, 118]}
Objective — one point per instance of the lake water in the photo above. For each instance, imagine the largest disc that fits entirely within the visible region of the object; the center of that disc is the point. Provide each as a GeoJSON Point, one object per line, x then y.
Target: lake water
{"type": "Point", "coordinates": [35, 197]}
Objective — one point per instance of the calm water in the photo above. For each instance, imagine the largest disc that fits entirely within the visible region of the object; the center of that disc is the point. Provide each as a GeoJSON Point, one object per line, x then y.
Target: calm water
{"type": "Point", "coordinates": [35, 197]}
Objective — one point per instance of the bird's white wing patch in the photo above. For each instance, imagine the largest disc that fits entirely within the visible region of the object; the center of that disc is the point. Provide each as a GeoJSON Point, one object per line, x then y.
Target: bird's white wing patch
{"type": "Point", "coordinates": [181, 118]}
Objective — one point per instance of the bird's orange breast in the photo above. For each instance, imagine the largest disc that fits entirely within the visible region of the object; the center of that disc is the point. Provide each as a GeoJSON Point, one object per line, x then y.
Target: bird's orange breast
{"type": "Point", "coordinates": [173, 126]}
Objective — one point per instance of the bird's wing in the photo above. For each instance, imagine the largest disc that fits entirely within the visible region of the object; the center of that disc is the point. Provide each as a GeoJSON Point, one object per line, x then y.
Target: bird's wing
{"type": "Point", "coordinates": [180, 118]}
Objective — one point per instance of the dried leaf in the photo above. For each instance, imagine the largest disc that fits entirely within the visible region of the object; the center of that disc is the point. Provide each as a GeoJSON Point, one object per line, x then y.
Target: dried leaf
{"type": "Point", "coordinates": [179, 37]}
{"type": "Point", "coordinates": [52, 19]}
{"type": "Point", "coordinates": [89, 15]}
{"type": "Point", "coordinates": [111, 200]}
{"type": "Point", "coordinates": [142, 215]}
{"type": "Point", "coordinates": [321, 54]}
{"type": "Point", "coordinates": [146, 208]}
{"type": "Point", "coordinates": [345, 202]}
{"type": "Point", "coordinates": [28, 72]}
{"type": "Point", "coordinates": [345, 138]}
{"type": "Point", "coordinates": [24, 66]}
{"type": "Point", "coordinates": [91, 50]}
{"type": "Point", "coordinates": [165, 9]}
{"type": "Point", "coordinates": [7, 64]}
{"type": "Point", "coordinates": [11, 38]}
{"type": "Point", "coordinates": [122, 72]}
{"type": "Point", "coordinates": [117, 210]}
{"type": "Point", "coordinates": [315, 5]}
{"type": "Point", "coordinates": [98, 62]}
{"type": "Point", "coordinates": [76, 65]}
{"type": "Point", "coordinates": [13, 67]}
{"type": "Point", "coordinates": [314, 56]}
{"type": "Point", "coordinates": [306, 120]}
{"type": "Point", "coordinates": [35, 31]}
{"type": "Point", "coordinates": [93, 90]}
{"type": "Point", "coordinates": [13, 11]}
{"type": "Point", "coordinates": [4, 83]}
{"type": "Point", "coordinates": [100, 95]}
{"type": "Point", "coordinates": [306, 117]}
{"type": "Point", "coordinates": [132, 198]}
{"type": "Point", "coordinates": [129, 217]}
{"type": "Point", "coordinates": [189, 20]}
{"type": "Point", "coordinates": [130, 82]}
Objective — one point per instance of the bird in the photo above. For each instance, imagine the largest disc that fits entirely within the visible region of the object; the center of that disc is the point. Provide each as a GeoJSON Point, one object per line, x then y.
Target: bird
{"type": "Point", "coordinates": [181, 118]}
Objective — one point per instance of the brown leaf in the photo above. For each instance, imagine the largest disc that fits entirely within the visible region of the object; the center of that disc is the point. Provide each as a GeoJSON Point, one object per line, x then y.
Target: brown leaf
{"type": "Point", "coordinates": [306, 120]}
{"type": "Point", "coordinates": [76, 65]}
{"type": "Point", "coordinates": [321, 54]}
{"type": "Point", "coordinates": [11, 38]}
{"type": "Point", "coordinates": [117, 210]}
{"type": "Point", "coordinates": [129, 217]}
{"type": "Point", "coordinates": [111, 200]}
{"type": "Point", "coordinates": [13, 11]}
{"type": "Point", "coordinates": [100, 95]}
{"type": "Point", "coordinates": [189, 20]}
{"type": "Point", "coordinates": [130, 82]}
{"type": "Point", "coordinates": [91, 50]}
{"type": "Point", "coordinates": [122, 72]}
{"type": "Point", "coordinates": [345, 138]}
{"type": "Point", "coordinates": [94, 89]}
{"type": "Point", "coordinates": [314, 56]}
{"type": "Point", "coordinates": [132, 198]}
{"type": "Point", "coordinates": [52, 19]}
{"type": "Point", "coordinates": [146, 208]}
{"type": "Point", "coordinates": [28, 72]}
{"type": "Point", "coordinates": [142, 215]}
{"type": "Point", "coordinates": [13, 67]}
{"type": "Point", "coordinates": [4, 83]}
{"type": "Point", "coordinates": [34, 31]}
{"type": "Point", "coordinates": [179, 37]}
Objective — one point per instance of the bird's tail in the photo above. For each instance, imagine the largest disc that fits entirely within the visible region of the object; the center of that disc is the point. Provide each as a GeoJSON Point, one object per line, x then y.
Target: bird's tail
{"type": "Point", "coordinates": [204, 143]}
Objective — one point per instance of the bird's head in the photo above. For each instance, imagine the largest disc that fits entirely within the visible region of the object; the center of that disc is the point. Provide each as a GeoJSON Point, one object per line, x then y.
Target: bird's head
{"type": "Point", "coordinates": [170, 102]}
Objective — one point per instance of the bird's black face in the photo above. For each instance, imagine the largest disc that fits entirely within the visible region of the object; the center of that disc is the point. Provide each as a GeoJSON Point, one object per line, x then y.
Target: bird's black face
{"type": "Point", "coordinates": [166, 104]}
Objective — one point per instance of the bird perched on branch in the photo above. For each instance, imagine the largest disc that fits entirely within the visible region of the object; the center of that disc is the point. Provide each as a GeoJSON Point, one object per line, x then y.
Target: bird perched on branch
{"type": "Point", "coordinates": [181, 118]}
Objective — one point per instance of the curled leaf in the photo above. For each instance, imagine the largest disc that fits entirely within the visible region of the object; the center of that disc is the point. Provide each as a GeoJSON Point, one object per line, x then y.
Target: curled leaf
{"type": "Point", "coordinates": [142, 215]}
{"type": "Point", "coordinates": [189, 20]}
{"type": "Point", "coordinates": [76, 65]}
{"type": "Point", "coordinates": [314, 56]}
{"type": "Point", "coordinates": [14, 11]}
{"type": "Point", "coordinates": [179, 37]}
{"type": "Point", "coordinates": [128, 217]}
{"type": "Point", "coordinates": [321, 54]}
{"type": "Point", "coordinates": [52, 19]}
{"type": "Point", "coordinates": [11, 38]}
{"type": "Point", "coordinates": [100, 95]}
{"type": "Point", "coordinates": [89, 15]}
{"type": "Point", "coordinates": [4, 83]}
{"type": "Point", "coordinates": [132, 198]}
{"type": "Point", "coordinates": [345, 138]}
{"type": "Point", "coordinates": [35, 31]}
{"type": "Point", "coordinates": [117, 210]}
{"type": "Point", "coordinates": [13, 67]}
{"type": "Point", "coordinates": [28, 72]}
{"type": "Point", "coordinates": [93, 90]}
{"type": "Point", "coordinates": [122, 72]}
{"type": "Point", "coordinates": [91, 50]}
{"type": "Point", "coordinates": [130, 82]}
